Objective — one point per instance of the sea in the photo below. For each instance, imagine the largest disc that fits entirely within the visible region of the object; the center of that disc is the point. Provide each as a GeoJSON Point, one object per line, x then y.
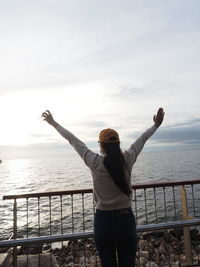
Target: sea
{"type": "Point", "coordinates": [54, 174]}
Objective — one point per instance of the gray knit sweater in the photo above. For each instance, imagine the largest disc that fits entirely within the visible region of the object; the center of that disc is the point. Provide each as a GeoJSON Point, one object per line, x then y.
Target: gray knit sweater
{"type": "Point", "coordinates": [107, 194]}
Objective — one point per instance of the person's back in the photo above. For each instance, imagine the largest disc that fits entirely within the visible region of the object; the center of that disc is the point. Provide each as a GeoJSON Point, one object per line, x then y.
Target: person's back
{"type": "Point", "coordinates": [114, 222]}
{"type": "Point", "coordinates": [107, 194]}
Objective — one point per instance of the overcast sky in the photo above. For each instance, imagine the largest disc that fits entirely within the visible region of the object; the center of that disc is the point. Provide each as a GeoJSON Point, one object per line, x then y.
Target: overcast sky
{"type": "Point", "coordinates": [98, 64]}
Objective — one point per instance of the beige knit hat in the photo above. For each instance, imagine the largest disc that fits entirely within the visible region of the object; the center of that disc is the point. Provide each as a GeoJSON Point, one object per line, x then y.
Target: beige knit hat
{"type": "Point", "coordinates": [108, 136]}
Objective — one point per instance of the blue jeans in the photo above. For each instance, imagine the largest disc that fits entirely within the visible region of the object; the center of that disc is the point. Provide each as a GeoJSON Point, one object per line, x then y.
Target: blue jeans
{"type": "Point", "coordinates": [115, 237]}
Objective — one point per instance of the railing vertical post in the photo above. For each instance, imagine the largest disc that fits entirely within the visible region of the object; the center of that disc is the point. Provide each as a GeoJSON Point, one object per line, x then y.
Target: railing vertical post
{"type": "Point", "coordinates": [186, 230]}
{"type": "Point", "coordinates": [15, 232]}
{"type": "Point", "coordinates": [39, 226]}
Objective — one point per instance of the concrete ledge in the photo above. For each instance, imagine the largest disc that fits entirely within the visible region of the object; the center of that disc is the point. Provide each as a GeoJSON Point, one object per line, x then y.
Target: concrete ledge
{"type": "Point", "coordinates": [4, 259]}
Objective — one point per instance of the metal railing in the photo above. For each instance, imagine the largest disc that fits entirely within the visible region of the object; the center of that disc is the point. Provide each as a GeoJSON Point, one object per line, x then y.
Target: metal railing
{"type": "Point", "coordinates": [49, 217]}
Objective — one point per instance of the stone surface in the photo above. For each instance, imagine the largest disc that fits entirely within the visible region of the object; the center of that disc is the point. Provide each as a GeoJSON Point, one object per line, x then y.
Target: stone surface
{"type": "Point", "coordinates": [3, 259]}
{"type": "Point", "coordinates": [154, 250]}
{"type": "Point", "coordinates": [33, 260]}
{"type": "Point", "coordinates": [143, 261]}
{"type": "Point", "coordinates": [31, 249]}
{"type": "Point", "coordinates": [156, 258]}
{"type": "Point", "coordinates": [151, 264]}
{"type": "Point", "coordinates": [142, 243]}
{"type": "Point", "coordinates": [144, 254]}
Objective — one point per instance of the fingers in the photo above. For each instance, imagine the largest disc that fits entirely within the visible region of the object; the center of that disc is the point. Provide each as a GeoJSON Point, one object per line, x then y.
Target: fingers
{"type": "Point", "coordinates": [48, 112]}
{"type": "Point", "coordinates": [44, 114]}
{"type": "Point", "coordinates": [160, 111]}
{"type": "Point", "coordinates": [158, 118]}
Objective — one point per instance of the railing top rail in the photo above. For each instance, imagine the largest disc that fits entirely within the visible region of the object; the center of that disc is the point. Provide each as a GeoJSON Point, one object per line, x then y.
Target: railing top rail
{"type": "Point", "coordinates": [90, 190]}
{"type": "Point", "coordinates": [50, 193]}
{"type": "Point", "coordinates": [165, 184]}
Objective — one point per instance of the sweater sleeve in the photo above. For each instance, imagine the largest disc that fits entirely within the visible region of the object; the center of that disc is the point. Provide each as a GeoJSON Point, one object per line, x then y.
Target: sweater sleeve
{"type": "Point", "coordinates": [132, 153]}
{"type": "Point", "coordinates": [86, 154]}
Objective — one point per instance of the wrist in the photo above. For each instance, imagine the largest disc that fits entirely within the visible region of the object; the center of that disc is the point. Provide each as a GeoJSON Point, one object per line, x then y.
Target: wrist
{"type": "Point", "coordinates": [156, 125]}
{"type": "Point", "coordinates": [54, 124]}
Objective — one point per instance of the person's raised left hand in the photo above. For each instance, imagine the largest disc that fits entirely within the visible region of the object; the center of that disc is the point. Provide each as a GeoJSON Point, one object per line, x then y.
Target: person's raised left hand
{"type": "Point", "coordinates": [47, 116]}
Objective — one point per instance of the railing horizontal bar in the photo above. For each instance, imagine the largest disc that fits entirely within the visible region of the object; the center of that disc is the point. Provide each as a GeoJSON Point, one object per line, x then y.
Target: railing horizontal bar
{"type": "Point", "coordinates": [90, 190]}
{"type": "Point", "coordinates": [66, 237]}
{"type": "Point", "coordinates": [167, 225]}
{"type": "Point", "coordinates": [44, 239]}
{"type": "Point", "coordinates": [165, 184]}
{"type": "Point", "coordinates": [50, 194]}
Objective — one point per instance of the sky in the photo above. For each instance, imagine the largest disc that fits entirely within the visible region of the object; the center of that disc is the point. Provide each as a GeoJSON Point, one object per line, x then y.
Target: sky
{"type": "Point", "coordinates": [95, 65]}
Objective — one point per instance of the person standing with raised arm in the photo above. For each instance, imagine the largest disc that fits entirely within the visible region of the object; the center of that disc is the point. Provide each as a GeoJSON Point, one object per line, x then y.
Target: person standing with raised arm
{"type": "Point", "coordinates": [114, 221]}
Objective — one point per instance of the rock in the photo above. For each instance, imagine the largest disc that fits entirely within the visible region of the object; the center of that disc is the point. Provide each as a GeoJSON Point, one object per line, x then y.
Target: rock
{"type": "Point", "coordinates": [34, 260]}
{"type": "Point", "coordinates": [176, 245]}
{"type": "Point", "coordinates": [32, 249]}
{"type": "Point", "coordinates": [142, 243]}
{"type": "Point", "coordinates": [194, 253]}
{"type": "Point", "coordinates": [19, 250]}
{"type": "Point", "coordinates": [144, 254]}
{"type": "Point", "coordinates": [69, 259]}
{"type": "Point", "coordinates": [71, 264]}
{"type": "Point", "coordinates": [156, 258]}
{"type": "Point", "coordinates": [155, 243]}
{"type": "Point", "coordinates": [167, 237]}
{"type": "Point", "coordinates": [46, 247]}
{"type": "Point", "coordinates": [151, 250]}
{"type": "Point", "coordinates": [151, 264]}
{"type": "Point", "coordinates": [178, 233]}
{"type": "Point", "coordinates": [83, 260]}
{"type": "Point", "coordinates": [182, 258]}
{"type": "Point", "coordinates": [147, 235]}
{"type": "Point", "coordinates": [162, 251]}
{"type": "Point", "coordinates": [163, 258]}
{"type": "Point", "coordinates": [80, 253]}
{"type": "Point", "coordinates": [93, 258]}
{"type": "Point", "coordinates": [196, 258]}
{"type": "Point", "coordinates": [89, 253]}
{"type": "Point", "coordinates": [171, 250]}
{"type": "Point", "coordinates": [164, 245]}
{"type": "Point", "coordinates": [3, 250]}
{"type": "Point", "coordinates": [194, 234]}
{"type": "Point", "coordinates": [142, 261]}
{"type": "Point", "coordinates": [86, 253]}
{"type": "Point", "coordinates": [173, 257]}
{"type": "Point", "coordinates": [5, 259]}
{"type": "Point", "coordinates": [155, 251]}
{"type": "Point", "coordinates": [175, 264]}
{"type": "Point", "coordinates": [95, 264]}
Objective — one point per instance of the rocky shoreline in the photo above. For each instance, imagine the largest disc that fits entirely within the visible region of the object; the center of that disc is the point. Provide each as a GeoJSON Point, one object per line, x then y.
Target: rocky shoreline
{"type": "Point", "coordinates": [155, 249]}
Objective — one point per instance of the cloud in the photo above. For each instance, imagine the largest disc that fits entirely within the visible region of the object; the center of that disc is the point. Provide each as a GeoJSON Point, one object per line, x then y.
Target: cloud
{"type": "Point", "coordinates": [100, 65]}
{"type": "Point", "coordinates": [48, 45]}
{"type": "Point", "coordinates": [193, 122]}
{"type": "Point", "coordinates": [181, 134]}
{"type": "Point", "coordinates": [91, 124]}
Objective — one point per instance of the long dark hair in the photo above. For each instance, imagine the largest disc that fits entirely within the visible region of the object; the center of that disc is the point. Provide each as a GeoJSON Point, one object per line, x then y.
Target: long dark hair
{"type": "Point", "coordinates": [114, 163]}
